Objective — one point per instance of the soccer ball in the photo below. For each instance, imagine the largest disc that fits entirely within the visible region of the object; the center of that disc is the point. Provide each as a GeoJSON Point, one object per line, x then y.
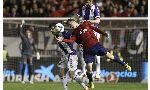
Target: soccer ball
{"type": "Point", "coordinates": [59, 27]}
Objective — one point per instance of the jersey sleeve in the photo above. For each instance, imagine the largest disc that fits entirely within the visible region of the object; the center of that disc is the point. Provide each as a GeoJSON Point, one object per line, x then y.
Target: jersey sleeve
{"type": "Point", "coordinates": [68, 35]}
{"type": "Point", "coordinates": [21, 30]}
{"type": "Point", "coordinates": [72, 38]}
{"type": "Point", "coordinates": [97, 12]}
{"type": "Point", "coordinates": [98, 30]}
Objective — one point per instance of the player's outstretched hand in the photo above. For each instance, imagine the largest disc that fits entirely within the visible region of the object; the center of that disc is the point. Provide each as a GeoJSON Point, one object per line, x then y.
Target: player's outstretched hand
{"type": "Point", "coordinates": [22, 22]}
{"type": "Point", "coordinates": [59, 39]}
{"type": "Point", "coordinates": [38, 56]}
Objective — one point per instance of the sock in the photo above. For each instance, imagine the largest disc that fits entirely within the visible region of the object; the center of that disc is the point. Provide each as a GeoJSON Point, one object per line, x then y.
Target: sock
{"type": "Point", "coordinates": [30, 71]}
{"type": "Point", "coordinates": [83, 65]}
{"type": "Point", "coordinates": [116, 59]}
{"type": "Point", "coordinates": [23, 70]}
{"type": "Point", "coordinates": [98, 65]}
{"type": "Point", "coordinates": [89, 75]}
{"type": "Point", "coordinates": [83, 85]}
{"type": "Point", "coordinates": [79, 79]}
{"type": "Point", "coordinates": [64, 82]}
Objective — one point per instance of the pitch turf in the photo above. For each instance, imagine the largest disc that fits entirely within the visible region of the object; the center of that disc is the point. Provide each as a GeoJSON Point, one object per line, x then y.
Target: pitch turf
{"type": "Point", "coordinates": [73, 86]}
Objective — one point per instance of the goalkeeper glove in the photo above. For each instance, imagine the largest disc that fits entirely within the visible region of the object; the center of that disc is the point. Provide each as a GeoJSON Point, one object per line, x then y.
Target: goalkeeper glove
{"type": "Point", "coordinates": [37, 55]}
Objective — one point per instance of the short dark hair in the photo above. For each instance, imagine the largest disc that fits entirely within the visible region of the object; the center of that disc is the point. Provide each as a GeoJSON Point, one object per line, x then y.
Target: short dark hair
{"type": "Point", "coordinates": [70, 20]}
{"type": "Point", "coordinates": [29, 28]}
{"type": "Point", "coordinates": [51, 25]}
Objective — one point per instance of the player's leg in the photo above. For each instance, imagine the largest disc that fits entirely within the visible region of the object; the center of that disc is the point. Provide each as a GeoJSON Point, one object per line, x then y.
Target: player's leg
{"type": "Point", "coordinates": [79, 79]}
{"type": "Point", "coordinates": [64, 79]}
{"type": "Point", "coordinates": [115, 58]}
{"type": "Point", "coordinates": [89, 75]}
{"type": "Point", "coordinates": [24, 62]}
{"type": "Point", "coordinates": [72, 67]}
{"type": "Point", "coordinates": [30, 65]}
{"type": "Point", "coordinates": [89, 59]}
{"type": "Point", "coordinates": [62, 65]}
{"type": "Point", "coordinates": [103, 51]}
{"type": "Point", "coordinates": [97, 76]}
{"type": "Point", "coordinates": [83, 64]}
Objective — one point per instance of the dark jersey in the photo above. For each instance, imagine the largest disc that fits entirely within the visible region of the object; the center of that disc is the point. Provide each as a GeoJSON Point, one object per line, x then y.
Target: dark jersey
{"type": "Point", "coordinates": [28, 44]}
{"type": "Point", "coordinates": [84, 33]}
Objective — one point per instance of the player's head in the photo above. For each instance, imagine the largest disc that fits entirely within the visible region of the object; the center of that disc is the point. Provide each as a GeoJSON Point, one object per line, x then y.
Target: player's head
{"type": "Point", "coordinates": [29, 31]}
{"type": "Point", "coordinates": [56, 28]}
{"type": "Point", "coordinates": [52, 26]}
{"type": "Point", "coordinates": [88, 2]}
{"type": "Point", "coordinates": [71, 23]}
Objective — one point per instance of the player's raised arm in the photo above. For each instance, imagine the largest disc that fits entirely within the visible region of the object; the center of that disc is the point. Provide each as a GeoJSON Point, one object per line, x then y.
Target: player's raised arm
{"type": "Point", "coordinates": [21, 28]}
{"type": "Point", "coordinates": [71, 40]}
{"type": "Point", "coordinates": [99, 31]}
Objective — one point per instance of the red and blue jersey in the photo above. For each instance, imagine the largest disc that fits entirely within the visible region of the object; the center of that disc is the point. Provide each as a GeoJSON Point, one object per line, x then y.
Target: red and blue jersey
{"type": "Point", "coordinates": [84, 34]}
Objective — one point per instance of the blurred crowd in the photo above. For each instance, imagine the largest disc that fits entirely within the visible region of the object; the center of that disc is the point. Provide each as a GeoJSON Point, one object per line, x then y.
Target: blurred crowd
{"type": "Point", "coordinates": [66, 8]}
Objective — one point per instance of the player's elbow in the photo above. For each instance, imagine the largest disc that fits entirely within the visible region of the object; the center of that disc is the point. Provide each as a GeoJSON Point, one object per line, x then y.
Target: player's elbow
{"type": "Point", "coordinates": [97, 20]}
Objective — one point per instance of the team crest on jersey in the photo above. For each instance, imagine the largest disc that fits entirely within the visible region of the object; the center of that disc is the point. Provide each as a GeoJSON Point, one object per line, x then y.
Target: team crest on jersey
{"type": "Point", "coordinates": [80, 32]}
{"type": "Point", "coordinates": [84, 30]}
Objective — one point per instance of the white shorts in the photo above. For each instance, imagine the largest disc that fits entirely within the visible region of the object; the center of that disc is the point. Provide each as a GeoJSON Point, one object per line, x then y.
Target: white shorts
{"type": "Point", "coordinates": [69, 61]}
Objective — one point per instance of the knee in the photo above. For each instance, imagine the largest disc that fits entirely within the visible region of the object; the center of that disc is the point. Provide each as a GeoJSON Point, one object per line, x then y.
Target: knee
{"type": "Point", "coordinates": [71, 74]}
{"type": "Point", "coordinates": [62, 72]}
{"type": "Point", "coordinates": [110, 56]}
{"type": "Point", "coordinates": [89, 70]}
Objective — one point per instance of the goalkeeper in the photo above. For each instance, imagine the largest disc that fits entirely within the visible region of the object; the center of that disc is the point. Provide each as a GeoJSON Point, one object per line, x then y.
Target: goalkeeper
{"type": "Point", "coordinates": [28, 46]}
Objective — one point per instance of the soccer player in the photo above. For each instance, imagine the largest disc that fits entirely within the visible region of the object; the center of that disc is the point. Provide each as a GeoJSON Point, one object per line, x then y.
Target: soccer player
{"type": "Point", "coordinates": [91, 13]}
{"type": "Point", "coordinates": [28, 46]}
{"type": "Point", "coordinates": [69, 59]}
{"type": "Point", "coordinates": [84, 33]}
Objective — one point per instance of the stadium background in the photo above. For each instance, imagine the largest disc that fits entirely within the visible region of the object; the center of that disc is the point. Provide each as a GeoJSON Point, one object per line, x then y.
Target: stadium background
{"type": "Point", "coordinates": [129, 33]}
{"type": "Point", "coordinates": [130, 36]}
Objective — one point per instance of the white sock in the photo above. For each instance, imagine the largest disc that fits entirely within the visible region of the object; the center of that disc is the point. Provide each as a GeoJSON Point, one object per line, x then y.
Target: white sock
{"type": "Point", "coordinates": [64, 82]}
{"type": "Point", "coordinates": [97, 64]}
{"type": "Point", "coordinates": [83, 65]}
{"type": "Point", "coordinates": [83, 85]}
{"type": "Point", "coordinates": [80, 81]}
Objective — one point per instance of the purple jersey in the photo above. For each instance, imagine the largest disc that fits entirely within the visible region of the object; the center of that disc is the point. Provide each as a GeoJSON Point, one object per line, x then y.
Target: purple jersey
{"type": "Point", "coordinates": [89, 13]}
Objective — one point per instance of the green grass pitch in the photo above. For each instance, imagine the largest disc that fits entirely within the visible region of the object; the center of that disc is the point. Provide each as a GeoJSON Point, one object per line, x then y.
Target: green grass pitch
{"type": "Point", "coordinates": [73, 86]}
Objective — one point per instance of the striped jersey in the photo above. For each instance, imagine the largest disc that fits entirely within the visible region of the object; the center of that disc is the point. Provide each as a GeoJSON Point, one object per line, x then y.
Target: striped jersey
{"type": "Point", "coordinates": [89, 13]}
{"type": "Point", "coordinates": [67, 48]}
